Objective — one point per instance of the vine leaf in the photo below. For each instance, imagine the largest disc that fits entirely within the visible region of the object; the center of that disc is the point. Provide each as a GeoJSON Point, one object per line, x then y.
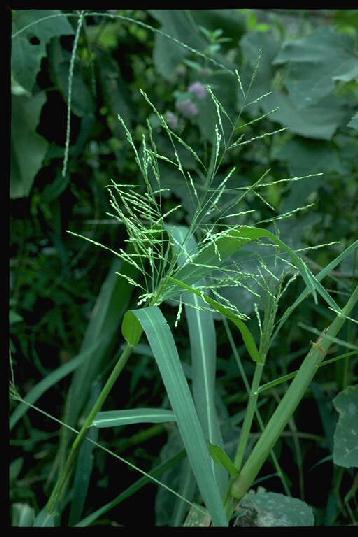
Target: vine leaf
{"type": "Point", "coordinates": [29, 46]}
{"type": "Point", "coordinates": [28, 148]}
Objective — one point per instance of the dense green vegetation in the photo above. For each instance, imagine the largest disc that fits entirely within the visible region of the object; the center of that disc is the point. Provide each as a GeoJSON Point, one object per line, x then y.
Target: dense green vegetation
{"type": "Point", "coordinates": [214, 154]}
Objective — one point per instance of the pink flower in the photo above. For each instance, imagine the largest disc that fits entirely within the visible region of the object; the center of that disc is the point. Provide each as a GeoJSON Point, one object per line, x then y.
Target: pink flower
{"type": "Point", "coordinates": [198, 89]}
{"type": "Point", "coordinates": [172, 120]}
{"type": "Point", "coordinates": [187, 108]}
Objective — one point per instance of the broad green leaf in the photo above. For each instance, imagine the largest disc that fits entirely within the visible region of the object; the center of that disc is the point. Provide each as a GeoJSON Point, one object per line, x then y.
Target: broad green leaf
{"type": "Point", "coordinates": [269, 509]}
{"type": "Point", "coordinates": [319, 120]}
{"type": "Point", "coordinates": [164, 349]}
{"type": "Point", "coordinates": [354, 122]}
{"type": "Point", "coordinates": [84, 466]}
{"type": "Point", "coordinates": [316, 62]}
{"type": "Point", "coordinates": [222, 458]}
{"type": "Point", "coordinates": [29, 47]}
{"type": "Point", "coordinates": [202, 337]}
{"type": "Point", "coordinates": [22, 515]}
{"type": "Point", "coordinates": [117, 418]}
{"type": "Point", "coordinates": [303, 157]}
{"type": "Point", "coordinates": [27, 147]}
{"type": "Point", "coordinates": [345, 440]}
{"type": "Point", "coordinates": [167, 55]}
{"type": "Point", "coordinates": [207, 117]}
{"type": "Point", "coordinates": [254, 45]}
{"type": "Point", "coordinates": [245, 332]}
{"type": "Point", "coordinates": [326, 410]}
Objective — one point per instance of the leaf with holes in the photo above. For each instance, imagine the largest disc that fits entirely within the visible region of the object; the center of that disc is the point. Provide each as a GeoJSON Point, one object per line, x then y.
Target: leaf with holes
{"type": "Point", "coordinates": [29, 46]}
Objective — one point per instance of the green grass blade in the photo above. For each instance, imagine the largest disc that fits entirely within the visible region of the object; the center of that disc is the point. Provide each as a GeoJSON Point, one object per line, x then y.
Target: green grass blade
{"type": "Point", "coordinates": [45, 384]}
{"type": "Point", "coordinates": [202, 337]}
{"type": "Point", "coordinates": [320, 276]}
{"type": "Point", "coordinates": [187, 490]}
{"type": "Point", "coordinates": [132, 489]}
{"type": "Point", "coordinates": [292, 375]}
{"type": "Point", "coordinates": [111, 303]}
{"type": "Point", "coordinates": [245, 332]}
{"type": "Point", "coordinates": [107, 313]}
{"type": "Point", "coordinates": [22, 515]}
{"type": "Point", "coordinates": [164, 349]}
{"type": "Point", "coordinates": [117, 418]}
{"type": "Point", "coordinates": [45, 519]}
{"type": "Point", "coordinates": [289, 402]}
{"type": "Point", "coordinates": [84, 465]}
{"type": "Point", "coordinates": [229, 243]}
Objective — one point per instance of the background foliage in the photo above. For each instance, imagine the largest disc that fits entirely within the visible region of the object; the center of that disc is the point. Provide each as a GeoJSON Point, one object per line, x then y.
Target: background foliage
{"type": "Point", "coordinates": [66, 302]}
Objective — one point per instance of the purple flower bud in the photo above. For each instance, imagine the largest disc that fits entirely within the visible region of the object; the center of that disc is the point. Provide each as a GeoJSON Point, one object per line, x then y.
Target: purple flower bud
{"type": "Point", "coordinates": [172, 120]}
{"type": "Point", "coordinates": [198, 89]}
{"type": "Point", "coordinates": [187, 108]}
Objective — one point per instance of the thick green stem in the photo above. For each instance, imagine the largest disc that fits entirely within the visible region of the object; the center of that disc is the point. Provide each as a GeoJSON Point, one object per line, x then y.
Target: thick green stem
{"type": "Point", "coordinates": [59, 488]}
{"type": "Point", "coordinates": [249, 416]}
{"type": "Point", "coordinates": [289, 403]}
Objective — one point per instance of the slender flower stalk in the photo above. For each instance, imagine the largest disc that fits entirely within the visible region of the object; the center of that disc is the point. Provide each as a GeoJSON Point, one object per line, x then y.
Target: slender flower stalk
{"type": "Point", "coordinates": [63, 479]}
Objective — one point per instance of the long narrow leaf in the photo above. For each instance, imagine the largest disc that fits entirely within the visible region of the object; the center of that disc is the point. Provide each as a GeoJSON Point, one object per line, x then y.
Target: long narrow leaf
{"type": "Point", "coordinates": [245, 332]}
{"type": "Point", "coordinates": [104, 324]}
{"type": "Point", "coordinates": [117, 418]}
{"type": "Point", "coordinates": [187, 489]}
{"type": "Point", "coordinates": [45, 384]}
{"type": "Point", "coordinates": [132, 489]}
{"type": "Point", "coordinates": [202, 337]}
{"type": "Point", "coordinates": [84, 465]}
{"type": "Point", "coordinates": [320, 276]}
{"type": "Point", "coordinates": [165, 352]}
{"type": "Point", "coordinates": [289, 402]}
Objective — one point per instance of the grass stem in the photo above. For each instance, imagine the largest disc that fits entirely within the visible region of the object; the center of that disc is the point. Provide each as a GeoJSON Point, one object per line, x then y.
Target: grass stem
{"type": "Point", "coordinates": [289, 402]}
{"type": "Point", "coordinates": [249, 415]}
{"type": "Point", "coordinates": [62, 481]}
